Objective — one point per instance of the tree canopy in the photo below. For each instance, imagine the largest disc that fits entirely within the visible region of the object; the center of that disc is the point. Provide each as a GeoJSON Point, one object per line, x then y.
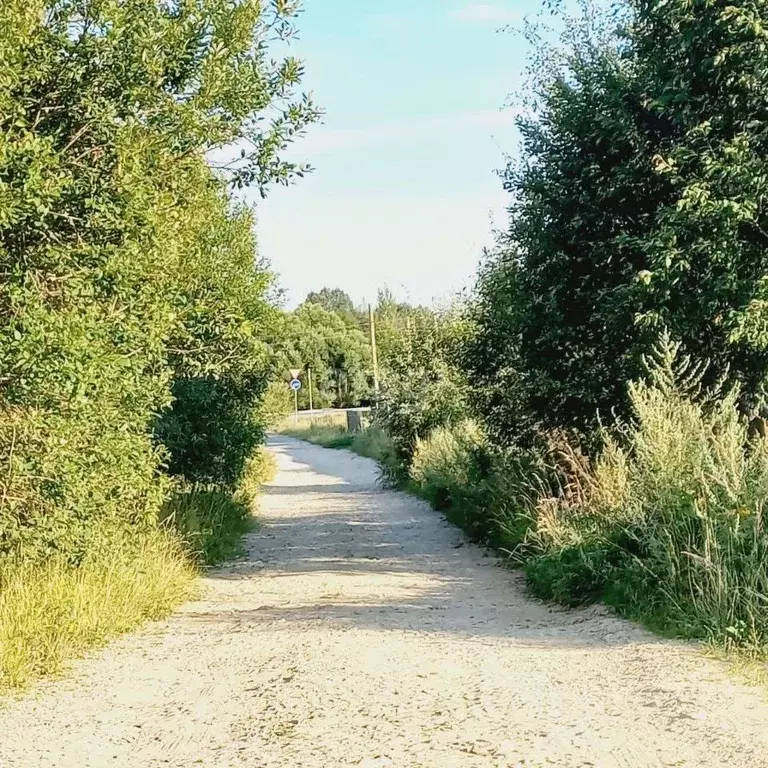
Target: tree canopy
{"type": "Point", "coordinates": [638, 204]}
{"type": "Point", "coordinates": [338, 355]}
{"type": "Point", "coordinates": [129, 283]}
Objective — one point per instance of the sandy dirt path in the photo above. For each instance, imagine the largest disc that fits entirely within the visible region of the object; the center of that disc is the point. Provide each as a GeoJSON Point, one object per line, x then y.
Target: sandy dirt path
{"type": "Point", "coordinates": [363, 631]}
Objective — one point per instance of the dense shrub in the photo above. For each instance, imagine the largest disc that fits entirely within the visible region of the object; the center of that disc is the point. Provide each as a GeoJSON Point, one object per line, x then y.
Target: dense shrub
{"type": "Point", "coordinates": [125, 276]}
{"type": "Point", "coordinates": [276, 404]}
{"type": "Point", "coordinates": [638, 203]}
{"type": "Point", "coordinates": [423, 388]}
{"type": "Point", "coordinates": [667, 522]}
{"type": "Point", "coordinates": [483, 490]}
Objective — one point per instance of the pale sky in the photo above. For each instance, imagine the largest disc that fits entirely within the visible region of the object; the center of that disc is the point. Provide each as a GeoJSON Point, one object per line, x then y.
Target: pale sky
{"type": "Point", "coordinates": [405, 193]}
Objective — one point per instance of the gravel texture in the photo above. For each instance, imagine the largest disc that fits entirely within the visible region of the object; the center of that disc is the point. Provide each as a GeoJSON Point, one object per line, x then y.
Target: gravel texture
{"type": "Point", "coordinates": [362, 630]}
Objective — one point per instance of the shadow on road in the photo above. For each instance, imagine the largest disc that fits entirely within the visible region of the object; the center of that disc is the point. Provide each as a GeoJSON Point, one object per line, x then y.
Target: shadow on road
{"type": "Point", "coordinates": [398, 565]}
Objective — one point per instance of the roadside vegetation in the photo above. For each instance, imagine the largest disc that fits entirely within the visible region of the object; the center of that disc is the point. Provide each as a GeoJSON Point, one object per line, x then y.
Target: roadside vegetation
{"type": "Point", "coordinates": [136, 319]}
{"type": "Point", "coordinates": [331, 432]}
{"type": "Point", "coordinates": [595, 409]}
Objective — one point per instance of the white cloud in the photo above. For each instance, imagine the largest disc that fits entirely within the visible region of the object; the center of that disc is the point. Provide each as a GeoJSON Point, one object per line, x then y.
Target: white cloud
{"type": "Point", "coordinates": [486, 13]}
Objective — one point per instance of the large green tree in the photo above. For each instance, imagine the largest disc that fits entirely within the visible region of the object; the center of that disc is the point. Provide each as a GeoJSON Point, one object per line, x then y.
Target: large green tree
{"type": "Point", "coordinates": [338, 355]}
{"type": "Point", "coordinates": [639, 204]}
{"type": "Point", "coordinates": [125, 274]}
{"type": "Point", "coordinates": [338, 301]}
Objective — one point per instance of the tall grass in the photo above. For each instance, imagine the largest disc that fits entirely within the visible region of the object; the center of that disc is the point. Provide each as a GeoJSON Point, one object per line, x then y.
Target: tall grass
{"type": "Point", "coordinates": [50, 612]}
{"type": "Point", "coordinates": [211, 519]}
{"type": "Point", "coordinates": [481, 489]}
{"type": "Point", "coordinates": [667, 523]}
{"type": "Point", "coordinates": [54, 610]}
{"type": "Point", "coordinates": [328, 431]}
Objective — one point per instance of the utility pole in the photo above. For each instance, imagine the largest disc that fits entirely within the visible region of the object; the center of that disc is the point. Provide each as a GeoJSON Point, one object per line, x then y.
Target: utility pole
{"type": "Point", "coordinates": [309, 377]}
{"type": "Point", "coordinates": [374, 355]}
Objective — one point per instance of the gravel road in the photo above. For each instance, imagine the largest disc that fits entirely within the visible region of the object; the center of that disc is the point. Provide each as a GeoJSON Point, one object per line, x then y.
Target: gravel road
{"type": "Point", "coordinates": [363, 630]}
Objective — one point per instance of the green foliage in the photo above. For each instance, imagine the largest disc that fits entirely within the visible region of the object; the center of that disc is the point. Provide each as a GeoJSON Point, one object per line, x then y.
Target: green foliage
{"type": "Point", "coordinates": [221, 364]}
{"type": "Point", "coordinates": [338, 301]}
{"type": "Point", "coordinates": [422, 387]}
{"type": "Point", "coordinates": [126, 279]}
{"type": "Point", "coordinates": [337, 353]}
{"type": "Point", "coordinates": [371, 442]}
{"type": "Point", "coordinates": [211, 521]}
{"type": "Point", "coordinates": [212, 429]}
{"type": "Point", "coordinates": [482, 490]}
{"type": "Point", "coordinates": [212, 518]}
{"type": "Point", "coordinates": [395, 319]}
{"type": "Point", "coordinates": [638, 204]}
{"type": "Point", "coordinates": [328, 431]}
{"type": "Point", "coordinates": [667, 523]}
{"type": "Point", "coordinates": [446, 457]}
{"type": "Point", "coordinates": [374, 443]}
{"type": "Point", "coordinates": [276, 404]}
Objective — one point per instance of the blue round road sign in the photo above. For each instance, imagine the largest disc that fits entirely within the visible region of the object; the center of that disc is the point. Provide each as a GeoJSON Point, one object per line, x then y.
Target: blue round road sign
{"type": "Point", "coordinates": [295, 385]}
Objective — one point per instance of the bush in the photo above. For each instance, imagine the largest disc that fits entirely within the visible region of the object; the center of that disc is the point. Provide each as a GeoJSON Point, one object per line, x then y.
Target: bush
{"type": "Point", "coordinates": [128, 279]}
{"type": "Point", "coordinates": [276, 405]}
{"type": "Point", "coordinates": [260, 468]}
{"type": "Point", "coordinates": [213, 519]}
{"type": "Point", "coordinates": [422, 388]}
{"type": "Point", "coordinates": [481, 489]}
{"type": "Point", "coordinates": [212, 429]}
{"type": "Point", "coordinates": [669, 524]}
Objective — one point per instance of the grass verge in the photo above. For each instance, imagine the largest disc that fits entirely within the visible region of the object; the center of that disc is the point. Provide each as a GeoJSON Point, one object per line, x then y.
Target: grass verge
{"type": "Point", "coordinates": [371, 443]}
{"type": "Point", "coordinates": [53, 611]}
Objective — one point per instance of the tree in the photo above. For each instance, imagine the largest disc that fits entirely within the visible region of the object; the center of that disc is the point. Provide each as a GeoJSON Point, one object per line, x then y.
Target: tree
{"type": "Point", "coordinates": [424, 388]}
{"type": "Point", "coordinates": [338, 355]}
{"type": "Point", "coordinates": [126, 276]}
{"type": "Point", "coordinates": [394, 320]}
{"type": "Point", "coordinates": [638, 205]}
{"type": "Point", "coordinates": [702, 68]}
{"type": "Point", "coordinates": [332, 299]}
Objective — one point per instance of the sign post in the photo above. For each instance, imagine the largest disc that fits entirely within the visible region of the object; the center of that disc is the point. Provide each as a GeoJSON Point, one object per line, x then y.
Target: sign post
{"type": "Point", "coordinates": [295, 385]}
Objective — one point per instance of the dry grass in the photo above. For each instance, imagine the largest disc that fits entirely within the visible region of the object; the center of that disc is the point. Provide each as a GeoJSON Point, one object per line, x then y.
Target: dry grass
{"type": "Point", "coordinates": [305, 422]}
{"type": "Point", "coordinates": [53, 611]}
